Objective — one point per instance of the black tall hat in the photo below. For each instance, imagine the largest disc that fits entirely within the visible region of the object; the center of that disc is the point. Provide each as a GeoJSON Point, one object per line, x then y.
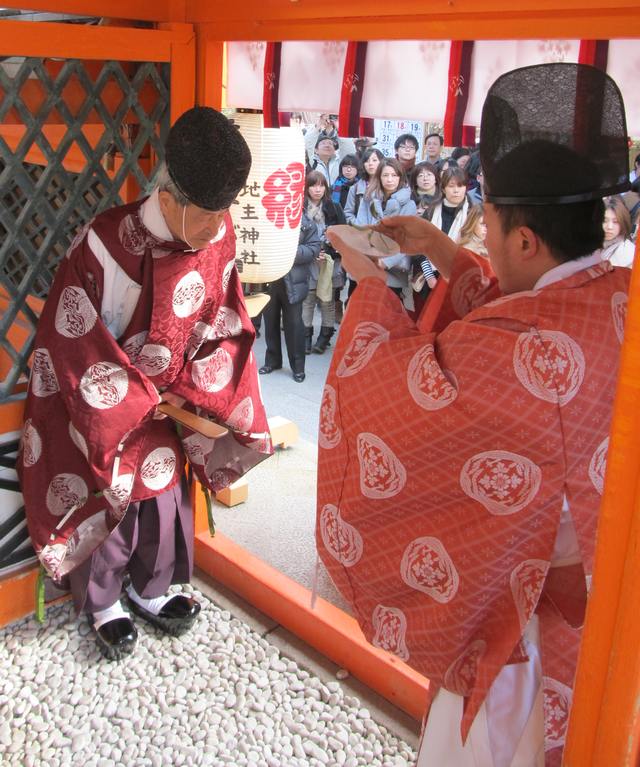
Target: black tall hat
{"type": "Point", "coordinates": [207, 158]}
{"type": "Point", "coordinates": [553, 133]}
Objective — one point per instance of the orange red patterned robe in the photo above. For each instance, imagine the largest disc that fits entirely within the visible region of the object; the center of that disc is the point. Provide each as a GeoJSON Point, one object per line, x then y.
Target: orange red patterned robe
{"type": "Point", "coordinates": [444, 460]}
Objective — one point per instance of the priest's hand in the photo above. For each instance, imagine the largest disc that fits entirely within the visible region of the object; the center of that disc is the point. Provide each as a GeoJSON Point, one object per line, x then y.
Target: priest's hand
{"type": "Point", "coordinates": [354, 262]}
{"type": "Point", "coordinates": [416, 236]}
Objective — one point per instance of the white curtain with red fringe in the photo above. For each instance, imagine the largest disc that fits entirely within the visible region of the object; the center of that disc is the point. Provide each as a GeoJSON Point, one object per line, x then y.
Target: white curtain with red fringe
{"type": "Point", "coordinates": [410, 78]}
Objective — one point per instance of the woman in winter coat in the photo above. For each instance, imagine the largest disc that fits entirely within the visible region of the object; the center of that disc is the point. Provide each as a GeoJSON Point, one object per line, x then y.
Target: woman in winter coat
{"type": "Point", "coordinates": [425, 186]}
{"type": "Point", "coordinates": [389, 195]}
{"type": "Point", "coordinates": [450, 213]}
{"type": "Point", "coordinates": [324, 212]}
{"type": "Point", "coordinates": [287, 295]}
{"type": "Point", "coordinates": [371, 159]}
{"type": "Point", "coordinates": [618, 246]}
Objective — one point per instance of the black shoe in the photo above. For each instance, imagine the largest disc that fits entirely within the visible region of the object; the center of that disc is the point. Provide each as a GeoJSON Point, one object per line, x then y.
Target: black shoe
{"type": "Point", "coordinates": [298, 377]}
{"type": "Point", "coordinates": [115, 639]}
{"type": "Point", "coordinates": [266, 369]}
{"type": "Point", "coordinates": [175, 618]}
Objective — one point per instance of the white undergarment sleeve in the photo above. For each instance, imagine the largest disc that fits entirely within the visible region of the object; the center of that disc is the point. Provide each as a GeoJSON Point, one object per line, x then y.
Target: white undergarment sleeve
{"type": "Point", "coordinates": [120, 293]}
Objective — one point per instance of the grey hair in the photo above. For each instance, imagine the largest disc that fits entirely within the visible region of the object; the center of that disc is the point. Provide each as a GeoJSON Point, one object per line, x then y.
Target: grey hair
{"type": "Point", "coordinates": [164, 183]}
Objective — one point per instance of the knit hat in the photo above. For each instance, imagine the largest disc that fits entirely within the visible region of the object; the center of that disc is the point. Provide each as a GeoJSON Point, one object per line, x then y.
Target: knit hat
{"type": "Point", "coordinates": [553, 134]}
{"type": "Point", "coordinates": [207, 158]}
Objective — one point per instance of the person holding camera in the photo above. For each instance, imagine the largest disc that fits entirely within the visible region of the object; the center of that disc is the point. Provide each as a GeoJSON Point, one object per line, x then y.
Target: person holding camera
{"type": "Point", "coordinates": [326, 270]}
{"type": "Point", "coordinates": [325, 149]}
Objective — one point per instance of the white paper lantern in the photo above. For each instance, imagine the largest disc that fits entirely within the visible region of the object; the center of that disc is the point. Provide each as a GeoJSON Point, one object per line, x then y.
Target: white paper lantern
{"type": "Point", "coordinates": [266, 214]}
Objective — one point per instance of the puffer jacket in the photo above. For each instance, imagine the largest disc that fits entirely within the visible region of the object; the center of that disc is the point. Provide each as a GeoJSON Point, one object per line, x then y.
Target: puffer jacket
{"type": "Point", "coordinates": [371, 212]}
{"type": "Point", "coordinates": [297, 278]}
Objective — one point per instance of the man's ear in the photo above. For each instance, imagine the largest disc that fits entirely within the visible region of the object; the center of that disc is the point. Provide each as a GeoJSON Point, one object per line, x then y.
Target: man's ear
{"type": "Point", "coordinates": [529, 243]}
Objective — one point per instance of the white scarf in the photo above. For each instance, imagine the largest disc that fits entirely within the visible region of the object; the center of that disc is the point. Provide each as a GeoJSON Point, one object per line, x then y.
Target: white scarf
{"type": "Point", "coordinates": [458, 221]}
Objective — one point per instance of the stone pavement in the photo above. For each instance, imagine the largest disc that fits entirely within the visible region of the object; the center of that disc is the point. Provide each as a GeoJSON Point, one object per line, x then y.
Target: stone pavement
{"type": "Point", "coordinates": [227, 693]}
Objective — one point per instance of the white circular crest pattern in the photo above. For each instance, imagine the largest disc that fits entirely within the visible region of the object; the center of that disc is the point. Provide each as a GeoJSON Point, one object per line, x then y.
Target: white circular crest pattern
{"type": "Point", "coordinates": [598, 465]}
{"type": "Point", "coordinates": [75, 315]}
{"type": "Point", "coordinates": [66, 492]}
{"type": "Point", "coordinates": [227, 323]}
{"type": "Point", "coordinates": [427, 567]}
{"type": "Point", "coordinates": [104, 385]}
{"type": "Point", "coordinates": [158, 468]}
{"type": "Point", "coordinates": [329, 434]}
{"type": "Point", "coordinates": [241, 419]}
{"type": "Point", "coordinates": [503, 482]}
{"type": "Point", "coordinates": [557, 698]}
{"type": "Point", "coordinates": [198, 447]}
{"type": "Point", "coordinates": [213, 373]}
{"type": "Point", "coordinates": [201, 332]}
{"type": "Point", "coordinates": [153, 359]}
{"type": "Point", "coordinates": [31, 444]}
{"type": "Point", "coordinates": [43, 376]}
{"type": "Point", "coordinates": [367, 337]}
{"type": "Point", "coordinates": [619, 302]}
{"type": "Point", "coordinates": [52, 557]}
{"type": "Point", "coordinates": [428, 384]}
{"type": "Point", "coordinates": [382, 475]}
{"type": "Point", "coordinates": [119, 493]}
{"type": "Point", "coordinates": [468, 290]}
{"type": "Point", "coordinates": [526, 581]}
{"type": "Point", "coordinates": [460, 677]}
{"type": "Point", "coordinates": [390, 627]}
{"type": "Point", "coordinates": [226, 274]}
{"type": "Point", "coordinates": [132, 238]}
{"type": "Point", "coordinates": [340, 539]}
{"type": "Point", "coordinates": [133, 346]}
{"type": "Point", "coordinates": [78, 440]}
{"type": "Point", "coordinates": [188, 295]}
{"type": "Point", "coordinates": [549, 364]}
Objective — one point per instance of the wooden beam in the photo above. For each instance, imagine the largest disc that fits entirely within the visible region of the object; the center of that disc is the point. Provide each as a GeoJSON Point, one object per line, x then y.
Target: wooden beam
{"type": "Point", "coordinates": [514, 25]}
{"type": "Point", "coordinates": [316, 10]}
{"type": "Point", "coordinates": [210, 66]}
{"type": "Point", "coordinates": [72, 41]}
{"type": "Point", "coordinates": [183, 68]}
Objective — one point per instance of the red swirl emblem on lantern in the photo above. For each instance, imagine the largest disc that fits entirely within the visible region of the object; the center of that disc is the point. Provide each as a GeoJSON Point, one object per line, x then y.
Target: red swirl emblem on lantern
{"type": "Point", "coordinates": [284, 195]}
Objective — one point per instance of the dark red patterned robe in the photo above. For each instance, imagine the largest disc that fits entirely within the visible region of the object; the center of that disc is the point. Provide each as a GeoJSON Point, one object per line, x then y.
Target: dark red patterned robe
{"type": "Point", "coordinates": [90, 442]}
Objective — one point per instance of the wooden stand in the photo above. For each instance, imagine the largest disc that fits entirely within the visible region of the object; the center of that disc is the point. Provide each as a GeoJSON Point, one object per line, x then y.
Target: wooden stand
{"type": "Point", "coordinates": [236, 493]}
{"type": "Point", "coordinates": [283, 431]}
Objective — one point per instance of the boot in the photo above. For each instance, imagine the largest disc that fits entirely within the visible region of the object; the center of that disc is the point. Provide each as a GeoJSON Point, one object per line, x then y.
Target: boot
{"type": "Point", "coordinates": [323, 340]}
{"type": "Point", "coordinates": [308, 336]}
{"type": "Point", "coordinates": [339, 311]}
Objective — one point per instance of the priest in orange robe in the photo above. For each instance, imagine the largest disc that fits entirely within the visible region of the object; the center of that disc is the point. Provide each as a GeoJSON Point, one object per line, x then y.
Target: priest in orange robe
{"type": "Point", "coordinates": [462, 457]}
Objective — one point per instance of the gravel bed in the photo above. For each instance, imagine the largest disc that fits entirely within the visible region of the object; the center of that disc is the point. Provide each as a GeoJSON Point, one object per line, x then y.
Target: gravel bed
{"type": "Point", "coordinates": [220, 695]}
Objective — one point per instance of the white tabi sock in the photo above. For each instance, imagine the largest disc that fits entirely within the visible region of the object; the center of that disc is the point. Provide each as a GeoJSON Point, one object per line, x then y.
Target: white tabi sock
{"type": "Point", "coordinates": [100, 617]}
{"type": "Point", "coordinates": [152, 605]}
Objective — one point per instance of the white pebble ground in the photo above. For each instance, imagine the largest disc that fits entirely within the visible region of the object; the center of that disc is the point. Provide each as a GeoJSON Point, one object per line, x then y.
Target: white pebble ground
{"type": "Point", "coordinates": [220, 695]}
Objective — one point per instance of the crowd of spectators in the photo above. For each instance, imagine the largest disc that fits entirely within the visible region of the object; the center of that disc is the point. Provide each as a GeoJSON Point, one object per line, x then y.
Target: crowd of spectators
{"type": "Point", "coordinates": [351, 180]}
